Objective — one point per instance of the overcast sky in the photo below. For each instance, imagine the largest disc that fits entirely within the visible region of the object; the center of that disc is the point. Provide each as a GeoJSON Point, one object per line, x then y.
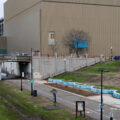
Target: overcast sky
{"type": "Point", "coordinates": [1, 8]}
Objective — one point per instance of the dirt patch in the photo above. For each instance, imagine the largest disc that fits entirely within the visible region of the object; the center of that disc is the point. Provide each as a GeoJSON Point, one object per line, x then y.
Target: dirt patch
{"type": "Point", "coordinates": [107, 80]}
{"type": "Point", "coordinates": [73, 90]}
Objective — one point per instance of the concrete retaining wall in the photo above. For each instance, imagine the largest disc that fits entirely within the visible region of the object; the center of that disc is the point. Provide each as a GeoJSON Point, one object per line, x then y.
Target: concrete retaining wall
{"type": "Point", "coordinates": [51, 66]}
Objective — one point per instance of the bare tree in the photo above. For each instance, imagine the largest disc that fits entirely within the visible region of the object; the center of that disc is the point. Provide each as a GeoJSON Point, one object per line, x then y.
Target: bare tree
{"type": "Point", "coordinates": [74, 34]}
{"type": "Point", "coordinates": [54, 49]}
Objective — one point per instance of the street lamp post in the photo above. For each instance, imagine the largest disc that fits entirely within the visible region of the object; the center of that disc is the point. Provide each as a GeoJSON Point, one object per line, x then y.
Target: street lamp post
{"type": "Point", "coordinates": [22, 76]}
{"type": "Point", "coordinates": [102, 105]}
{"type": "Point", "coordinates": [31, 73]}
{"type": "Point", "coordinates": [111, 53]}
{"type": "Point", "coordinates": [77, 48]}
{"type": "Point", "coordinates": [21, 82]}
{"type": "Point", "coordinates": [101, 116]}
{"type": "Point", "coordinates": [0, 71]}
{"type": "Point", "coordinates": [65, 65]}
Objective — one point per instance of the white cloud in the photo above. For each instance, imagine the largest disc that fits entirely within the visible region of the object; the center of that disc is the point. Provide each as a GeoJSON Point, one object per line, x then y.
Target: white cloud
{"type": "Point", "coordinates": [1, 8]}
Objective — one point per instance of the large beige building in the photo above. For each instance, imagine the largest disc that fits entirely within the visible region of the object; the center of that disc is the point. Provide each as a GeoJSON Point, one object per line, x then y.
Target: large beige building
{"type": "Point", "coordinates": [29, 24]}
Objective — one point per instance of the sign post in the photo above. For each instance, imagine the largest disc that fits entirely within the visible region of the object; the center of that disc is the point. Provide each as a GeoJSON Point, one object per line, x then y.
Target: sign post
{"type": "Point", "coordinates": [80, 107]}
{"type": "Point", "coordinates": [32, 82]}
{"type": "Point", "coordinates": [102, 105]}
{"type": "Point", "coordinates": [0, 73]}
{"type": "Point", "coordinates": [22, 76]}
{"type": "Point", "coordinates": [111, 116]}
{"type": "Point", "coordinates": [54, 91]}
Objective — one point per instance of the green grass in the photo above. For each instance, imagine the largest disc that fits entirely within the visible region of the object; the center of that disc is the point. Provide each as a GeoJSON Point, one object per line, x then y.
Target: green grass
{"type": "Point", "coordinates": [81, 75]}
{"type": "Point", "coordinates": [6, 114]}
{"type": "Point", "coordinates": [85, 74]}
{"type": "Point", "coordinates": [112, 66]}
{"type": "Point", "coordinates": [72, 77]}
{"type": "Point", "coordinates": [14, 105]}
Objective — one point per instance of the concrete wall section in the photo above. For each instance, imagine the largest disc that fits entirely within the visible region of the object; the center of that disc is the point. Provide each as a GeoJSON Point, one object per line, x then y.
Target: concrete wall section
{"type": "Point", "coordinates": [50, 66]}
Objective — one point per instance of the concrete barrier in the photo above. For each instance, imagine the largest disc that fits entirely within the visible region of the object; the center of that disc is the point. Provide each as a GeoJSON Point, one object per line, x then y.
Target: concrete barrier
{"type": "Point", "coordinates": [83, 86]}
{"type": "Point", "coordinates": [89, 87]}
{"type": "Point", "coordinates": [68, 83]}
{"type": "Point", "coordinates": [116, 95]}
{"type": "Point", "coordinates": [54, 80]}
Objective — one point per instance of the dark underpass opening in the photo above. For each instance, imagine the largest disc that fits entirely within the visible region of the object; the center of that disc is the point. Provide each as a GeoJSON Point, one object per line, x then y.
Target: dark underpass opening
{"type": "Point", "coordinates": [24, 67]}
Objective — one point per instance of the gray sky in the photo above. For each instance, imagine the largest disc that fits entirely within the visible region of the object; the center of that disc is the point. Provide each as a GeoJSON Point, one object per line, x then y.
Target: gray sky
{"type": "Point", "coordinates": [1, 8]}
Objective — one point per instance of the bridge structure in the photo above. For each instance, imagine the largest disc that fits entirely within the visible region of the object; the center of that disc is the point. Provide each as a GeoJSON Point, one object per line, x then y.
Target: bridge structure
{"type": "Point", "coordinates": [22, 61]}
{"type": "Point", "coordinates": [8, 58]}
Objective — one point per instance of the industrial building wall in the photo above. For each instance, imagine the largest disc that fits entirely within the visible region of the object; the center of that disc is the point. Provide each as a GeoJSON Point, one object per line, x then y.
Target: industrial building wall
{"type": "Point", "coordinates": [13, 8]}
{"type": "Point", "coordinates": [23, 32]}
{"type": "Point", "coordinates": [104, 2]}
{"type": "Point", "coordinates": [3, 45]}
{"type": "Point", "coordinates": [100, 22]}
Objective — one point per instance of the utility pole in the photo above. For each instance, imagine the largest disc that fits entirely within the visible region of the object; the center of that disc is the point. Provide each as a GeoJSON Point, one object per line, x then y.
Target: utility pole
{"type": "Point", "coordinates": [22, 76]}
{"type": "Point", "coordinates": [65, 60]}
{"type": "Point", "coordinates": [77, 47]}
{"type": "Point", "coordinates": [31, 73]}
{"type": "Point", "coordinates": [102, 105]}
{"type": "Point", "coordinates": [111, 53]}
{"type": "Point", "coordinates": [0, 72]}
{"type": "Point", "coordinates": [101, 116]}
{"type": "Point", "coordinates": [21, 81]}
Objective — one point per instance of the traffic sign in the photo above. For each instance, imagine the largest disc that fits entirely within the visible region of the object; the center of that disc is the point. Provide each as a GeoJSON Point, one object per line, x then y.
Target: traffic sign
{"type": "Point", "coordinates": [23, 75]}
{"type": "Point", "coordinates": [101, 105]}
{"type": "Point", "coordinates": [32, 81]}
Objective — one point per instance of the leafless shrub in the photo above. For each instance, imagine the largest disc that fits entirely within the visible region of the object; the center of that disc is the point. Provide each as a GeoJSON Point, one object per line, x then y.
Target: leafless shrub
{"type": "Point", "coordinates": [74, 34]}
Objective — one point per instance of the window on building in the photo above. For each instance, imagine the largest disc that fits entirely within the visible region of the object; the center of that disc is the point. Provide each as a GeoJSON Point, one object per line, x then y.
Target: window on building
{"type": "Point", "coordinates": [51, 38]}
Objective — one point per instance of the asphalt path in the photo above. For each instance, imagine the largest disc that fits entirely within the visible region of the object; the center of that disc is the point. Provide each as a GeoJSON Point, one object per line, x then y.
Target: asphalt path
{"type": "Point", "coordinates": [69, 99]}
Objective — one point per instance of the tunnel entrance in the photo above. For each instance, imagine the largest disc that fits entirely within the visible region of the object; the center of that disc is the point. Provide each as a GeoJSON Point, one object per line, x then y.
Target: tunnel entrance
{"type": "Point", "coordinates": [24, 67]}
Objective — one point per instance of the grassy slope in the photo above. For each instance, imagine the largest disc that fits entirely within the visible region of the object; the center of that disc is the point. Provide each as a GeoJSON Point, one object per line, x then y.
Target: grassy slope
{"type": "Point", "coordinates": [15, 105]}
{"type": "Point", "coordinates": [83, 74]}
{"type": "Point", "coordinates": [5, 114]}
{"type": "Point", "coordinates": [112, 66]}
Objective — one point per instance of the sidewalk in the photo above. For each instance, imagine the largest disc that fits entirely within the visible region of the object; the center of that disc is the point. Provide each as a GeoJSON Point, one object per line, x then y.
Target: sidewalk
{"type": "Point", "coordinates": [68, 100]}
{"type": "Point", "coordinates": [107, 99]}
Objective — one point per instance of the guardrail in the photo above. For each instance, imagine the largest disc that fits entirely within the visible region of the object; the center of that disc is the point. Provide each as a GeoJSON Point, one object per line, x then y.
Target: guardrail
{"type": "Point", "coordinates": [89, 87]}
